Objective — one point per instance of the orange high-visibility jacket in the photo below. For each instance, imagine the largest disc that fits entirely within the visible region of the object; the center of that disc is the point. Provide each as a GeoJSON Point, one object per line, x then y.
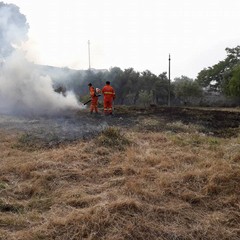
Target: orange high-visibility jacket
{"type": "Point", "coordinates": [93, 94]}
{"type": "Point", "coordinates": [108, 92]}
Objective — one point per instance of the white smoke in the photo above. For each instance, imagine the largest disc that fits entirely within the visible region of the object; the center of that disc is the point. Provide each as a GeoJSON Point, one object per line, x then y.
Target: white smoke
{"type": "Point", "coordinates": [23, 89]}
{"type": "Point", "coordinates": [13, 28]}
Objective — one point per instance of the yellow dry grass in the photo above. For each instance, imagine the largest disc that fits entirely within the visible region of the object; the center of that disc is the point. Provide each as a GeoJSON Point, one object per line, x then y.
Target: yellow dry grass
{"type": "Point", "coordinates": [149, 185]}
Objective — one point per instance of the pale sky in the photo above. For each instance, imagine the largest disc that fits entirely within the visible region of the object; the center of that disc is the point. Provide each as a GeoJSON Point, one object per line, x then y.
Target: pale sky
{"type": "Point", "coordinates": [131, 33]}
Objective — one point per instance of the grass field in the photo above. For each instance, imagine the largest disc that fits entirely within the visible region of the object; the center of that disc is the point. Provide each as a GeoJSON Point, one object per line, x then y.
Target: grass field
{"type": "Point", "coordinates": [156, 179]}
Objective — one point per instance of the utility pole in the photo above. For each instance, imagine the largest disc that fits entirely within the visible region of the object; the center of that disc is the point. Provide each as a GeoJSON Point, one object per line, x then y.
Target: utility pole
{"type": "Point", "coordinates": [89, 66]}
{"type": "Point", "coordinates": [169, 80]}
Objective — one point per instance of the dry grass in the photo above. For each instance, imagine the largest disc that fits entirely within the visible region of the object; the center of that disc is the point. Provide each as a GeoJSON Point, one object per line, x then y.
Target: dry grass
{"type": "Point", "coordinates": [173, 184]}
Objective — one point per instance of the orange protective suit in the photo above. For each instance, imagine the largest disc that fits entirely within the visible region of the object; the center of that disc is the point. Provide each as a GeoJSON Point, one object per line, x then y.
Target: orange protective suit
{"type": "Point", "coordinates": [109, 96]}
{"type": "Point", "coordinates": [94, 101]}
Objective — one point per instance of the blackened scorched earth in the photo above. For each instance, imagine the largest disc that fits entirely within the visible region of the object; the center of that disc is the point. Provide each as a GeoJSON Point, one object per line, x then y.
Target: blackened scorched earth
{"type": "Point", "coordinates": [70, 126]}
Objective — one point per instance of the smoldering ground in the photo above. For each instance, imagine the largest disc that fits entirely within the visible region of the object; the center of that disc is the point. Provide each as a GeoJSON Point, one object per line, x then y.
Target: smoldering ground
{"type": "Point", "coordinates": [51, 131]}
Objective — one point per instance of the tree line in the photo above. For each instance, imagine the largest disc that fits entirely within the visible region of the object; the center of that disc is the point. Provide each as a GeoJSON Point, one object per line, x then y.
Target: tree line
{"type": "Point", "coordinates": [144, 88]}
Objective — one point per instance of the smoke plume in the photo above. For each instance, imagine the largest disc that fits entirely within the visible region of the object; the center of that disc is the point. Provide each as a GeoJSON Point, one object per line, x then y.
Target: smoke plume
{"type": "Point", "coordinates": [13, 28]}
{"type": "Point", "coordinates": [23, 89]}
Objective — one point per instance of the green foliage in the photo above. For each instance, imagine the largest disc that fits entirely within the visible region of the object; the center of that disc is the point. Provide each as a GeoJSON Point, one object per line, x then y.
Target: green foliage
{"type": "Point", "coordinates": [186, 89]}
{"type": "Point", "coordinates": [145, 97]}
{"type": "Point", "coordinates": [129, 85]}
{"type": "Point", "coordinates": [217, 77]}
{"type": "Point", "coordinates": [134, 87]}
{"type": "Point", "coordinates": [234, 83]}
{"type": "Point", "coordinates": [161, 88]}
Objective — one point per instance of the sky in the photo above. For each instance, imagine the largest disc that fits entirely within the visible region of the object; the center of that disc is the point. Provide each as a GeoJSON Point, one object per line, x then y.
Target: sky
{"type": "Point", "coordinates": [131, 33]}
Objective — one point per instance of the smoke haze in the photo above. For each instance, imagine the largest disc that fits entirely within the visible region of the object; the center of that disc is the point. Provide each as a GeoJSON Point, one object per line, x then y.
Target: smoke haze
{"type": "Point", "coordinates": [23, 89]}
{"type": "Point", "coordinates": [13, 28]}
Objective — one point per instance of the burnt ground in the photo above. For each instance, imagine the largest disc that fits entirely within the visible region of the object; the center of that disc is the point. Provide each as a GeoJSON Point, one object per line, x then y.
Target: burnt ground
{"type": "Point", "coordinates": [50, 131]}
{"type": "Point", "coordinates": [217, 122]}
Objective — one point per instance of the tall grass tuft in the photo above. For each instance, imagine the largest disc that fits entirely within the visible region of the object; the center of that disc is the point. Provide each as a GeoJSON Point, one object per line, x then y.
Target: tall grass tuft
{"type": "Point", "coordinates": [113, 138]}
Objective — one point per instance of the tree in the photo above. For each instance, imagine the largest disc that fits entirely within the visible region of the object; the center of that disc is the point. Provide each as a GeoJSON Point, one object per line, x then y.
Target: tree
{"type": "Point", "coordinates": [186, 89]}
{"type": "Point", "coordinates": [115, 76]}
{"type": "Point", "coordinates": [216, 78]}
{"type": "Point", "coordinates": [161, 88]}
{"type": "Point", "coordinates": [145, 97]}
{"type": "Point", "coordinates": [234, 83]}
{"type": "Point", "coordinates": [128, 86]}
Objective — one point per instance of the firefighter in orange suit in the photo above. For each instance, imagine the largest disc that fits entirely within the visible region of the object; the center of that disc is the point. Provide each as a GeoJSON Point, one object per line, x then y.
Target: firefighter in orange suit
{"type": "Point", "coordinates": [94, 99]}
{"type": "Point", "coordinates": [109, 96]}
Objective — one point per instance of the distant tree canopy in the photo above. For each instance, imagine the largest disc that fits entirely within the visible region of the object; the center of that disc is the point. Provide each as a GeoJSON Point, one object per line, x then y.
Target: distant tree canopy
{"type": "Point", "coordinates": [144, 88]}
{"type": "Point", "coordinates": [186, 89]}
{"type": "Point", "coordinates": [217, 77]}
{"type": "Point", "coordinates": [131, 87]}
{"type": "Point", "coordinates": [234, 82]}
